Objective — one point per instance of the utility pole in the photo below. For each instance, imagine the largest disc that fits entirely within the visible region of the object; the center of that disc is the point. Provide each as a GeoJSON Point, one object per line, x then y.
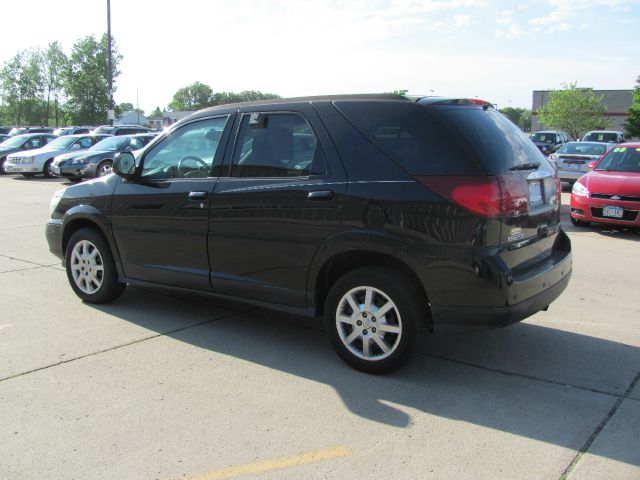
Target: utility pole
{"type": "Point", "coordinates": [110, 112]}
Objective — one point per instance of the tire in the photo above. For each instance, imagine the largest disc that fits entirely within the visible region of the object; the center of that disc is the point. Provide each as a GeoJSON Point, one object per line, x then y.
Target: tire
{"type": "Point", "coordinates": [579, 223]}
{"type": "Point", "coordinates": [93, 276]}
{"type": "Point", "coordinates": [2, 160]}
{"type": "Point", "coordinates": [45, 170]}
{"type": "Point", "coordinates": [104, 168]}
{"type": "Point", "coordinates": [349, 330]}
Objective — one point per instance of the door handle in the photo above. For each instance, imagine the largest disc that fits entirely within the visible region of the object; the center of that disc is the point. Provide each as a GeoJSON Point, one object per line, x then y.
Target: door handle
{"type": "Point", "coordinates": [198, 195]}
{"type": "Point", "coordinates": [320, 195]}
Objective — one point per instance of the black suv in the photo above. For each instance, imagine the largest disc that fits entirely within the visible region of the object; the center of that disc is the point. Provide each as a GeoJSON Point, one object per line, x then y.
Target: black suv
{"type": "Point", "coordinates": [376, 212]}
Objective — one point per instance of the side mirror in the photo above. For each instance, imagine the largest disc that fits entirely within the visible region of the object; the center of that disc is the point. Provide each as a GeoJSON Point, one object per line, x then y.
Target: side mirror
{"type": "Point", "coordinates": [591, 165]}
{"type": "Point", "coordinates": [124, 165]}
{"type": "Point", "coordinates": [76, 146]}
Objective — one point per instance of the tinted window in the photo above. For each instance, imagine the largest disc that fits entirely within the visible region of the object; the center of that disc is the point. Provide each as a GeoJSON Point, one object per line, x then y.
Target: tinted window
{"type": "Point", "coordinates": [278, 145]}
{"type": "Point", "coordinates": [601, 137]}
{"type": "Point", "coordinates": [442, 140]}
{"type": "Point", "coordinates": [621, 159]}
{"type": "Point", "coordinates": [187, 152]}
{"type": "Point", "coordinates": [545, 137]}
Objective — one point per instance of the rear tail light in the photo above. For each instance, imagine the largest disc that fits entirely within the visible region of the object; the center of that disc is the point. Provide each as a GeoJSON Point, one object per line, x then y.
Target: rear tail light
{"type": "Point", "coordinates": [491, 197]}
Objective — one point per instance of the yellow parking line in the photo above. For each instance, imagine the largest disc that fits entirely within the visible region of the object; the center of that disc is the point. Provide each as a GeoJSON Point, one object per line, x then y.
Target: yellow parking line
{"type": "Point", "coordinates": [275, 464]}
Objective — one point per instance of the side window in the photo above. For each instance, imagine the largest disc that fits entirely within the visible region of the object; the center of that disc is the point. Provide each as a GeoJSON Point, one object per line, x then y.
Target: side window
{"type": "Point", "coordinates": [277, 145]}
{"type": "Point", "coordinates": [35, 142]}
{"type": "Point", "coordinates": [86, 142]}
{"type": "Point", "coordinates": [187, 152]}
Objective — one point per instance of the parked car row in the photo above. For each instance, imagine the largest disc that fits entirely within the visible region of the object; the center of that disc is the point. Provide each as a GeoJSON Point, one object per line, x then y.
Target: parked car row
{"type": "Point", "coordinates": [72, 156]}
{"type": "Point", "coordinates": [74, 130]}
{"type": "Point", "coordinates": [550, 141]}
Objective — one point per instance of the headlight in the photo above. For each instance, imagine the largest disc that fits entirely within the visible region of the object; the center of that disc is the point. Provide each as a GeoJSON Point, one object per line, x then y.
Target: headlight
{"type": "Point", "coordinates": [79, 161]}
{"type": "Point", "coordinates": [55, 200]}
{"type": "Point", "coordinates": [26, 160]}
{"type": "Point", "coordinates": [580, 190]}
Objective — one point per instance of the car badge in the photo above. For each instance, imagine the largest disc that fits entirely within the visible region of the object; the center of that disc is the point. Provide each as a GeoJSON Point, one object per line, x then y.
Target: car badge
{"type": "Point", "coordinates": [615, 197]}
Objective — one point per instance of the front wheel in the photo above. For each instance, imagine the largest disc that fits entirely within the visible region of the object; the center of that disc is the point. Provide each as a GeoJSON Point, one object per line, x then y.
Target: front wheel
{"type": "Point", "coordinates": [91, 269]}
{"type": "Point", "coordinates": [371, 316]}
{"type": "Point", "coordinates": [104, 168]}
{"type": "Point", "coordinates": [46, 170]}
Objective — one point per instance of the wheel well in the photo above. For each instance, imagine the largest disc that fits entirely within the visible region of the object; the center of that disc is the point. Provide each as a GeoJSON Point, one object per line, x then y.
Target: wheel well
{"type": "Point", "coordinates": [343, 263]}
{"type": "Point", "coordinates": [76, 225]}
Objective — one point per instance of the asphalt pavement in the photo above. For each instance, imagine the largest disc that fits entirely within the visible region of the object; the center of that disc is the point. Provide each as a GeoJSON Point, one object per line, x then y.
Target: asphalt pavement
{"type": "Point", "coordinates": [165, 386]}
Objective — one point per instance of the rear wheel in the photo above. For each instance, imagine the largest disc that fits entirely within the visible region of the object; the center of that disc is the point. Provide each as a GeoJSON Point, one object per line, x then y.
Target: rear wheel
{"type": "Point", "coordinates": [579, 223]}
{"type": "Point", "coordinates": [104, 168]}
{"type": "Point", "coordinates": [91, 269]}
{"type": "Point", "coordinates": [371, 316]}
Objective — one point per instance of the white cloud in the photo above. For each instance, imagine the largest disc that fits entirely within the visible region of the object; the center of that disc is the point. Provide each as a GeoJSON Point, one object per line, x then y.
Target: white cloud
{"type": "Point", "coordinates": [514, 31]}
{"type": "Point", "coordinates": [462, 20]}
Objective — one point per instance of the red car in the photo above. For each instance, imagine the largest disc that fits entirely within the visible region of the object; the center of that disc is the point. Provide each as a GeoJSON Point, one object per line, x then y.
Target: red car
{"type": "Point", "coordinates": [610, 193]}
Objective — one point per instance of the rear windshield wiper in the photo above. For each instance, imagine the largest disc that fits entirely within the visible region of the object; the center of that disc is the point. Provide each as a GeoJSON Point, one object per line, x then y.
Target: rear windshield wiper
{"type": "Point", "coordinates": [526, 166]}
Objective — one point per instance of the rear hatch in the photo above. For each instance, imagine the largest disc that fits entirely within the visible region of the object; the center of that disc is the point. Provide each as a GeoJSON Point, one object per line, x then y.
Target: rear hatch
{"type": "Point", "coordinates": [475, 157]}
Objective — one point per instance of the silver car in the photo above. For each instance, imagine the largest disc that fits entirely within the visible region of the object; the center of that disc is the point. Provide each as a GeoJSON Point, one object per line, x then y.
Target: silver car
{"type": "Point", "coordinates": [572, 159]}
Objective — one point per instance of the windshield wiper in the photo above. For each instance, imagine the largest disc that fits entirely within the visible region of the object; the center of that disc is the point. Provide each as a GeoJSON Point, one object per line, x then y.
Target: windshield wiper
{"type": "Point", "coordinates": [526, 166]}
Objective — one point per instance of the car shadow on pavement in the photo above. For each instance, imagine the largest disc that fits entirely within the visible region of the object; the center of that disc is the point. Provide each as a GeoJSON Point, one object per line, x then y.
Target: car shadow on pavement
{"type": "Point", "coordinates": [527, 380]}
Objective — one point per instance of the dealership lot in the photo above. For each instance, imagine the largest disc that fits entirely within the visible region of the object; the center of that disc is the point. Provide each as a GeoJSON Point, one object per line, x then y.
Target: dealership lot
{"type": "Point", "coordinates": [164, 386]}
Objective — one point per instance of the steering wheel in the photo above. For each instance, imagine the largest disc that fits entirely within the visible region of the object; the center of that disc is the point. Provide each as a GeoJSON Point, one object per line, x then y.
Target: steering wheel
{"type": "Point", "coordinates": [201, 163]}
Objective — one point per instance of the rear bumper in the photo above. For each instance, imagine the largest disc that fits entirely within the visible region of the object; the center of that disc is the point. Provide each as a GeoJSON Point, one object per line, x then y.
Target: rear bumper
{"type": "Point", "coordinates": [524, 294]}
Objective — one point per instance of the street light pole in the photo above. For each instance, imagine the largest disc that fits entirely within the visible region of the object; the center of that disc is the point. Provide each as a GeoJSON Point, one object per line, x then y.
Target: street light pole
{"type": "Point", "coordinates": [109, 60]}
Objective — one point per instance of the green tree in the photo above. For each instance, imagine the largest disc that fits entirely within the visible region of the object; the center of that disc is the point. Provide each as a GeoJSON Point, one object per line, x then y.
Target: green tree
{"type": "Point", "coordinates": [21, 88]}
{"type": "Point", "coordinates": [192, 97]}
{"type": "Point", "coordinates": [54, 66]}
{"type": "Point", "coordinates": [520, 116]}
{"type": "Point", "coordinates": [400, 92]}
{"type": "Point", "coordinates": [87, 80]}
{"type": "Point", "coordinates": [574, 110]}
{"type": "Point", "coordinates": [224, 98]}
{"type": "Point", "coordinates": [632, 124]}
{"type": "Point", "coordinates": [156, 113]}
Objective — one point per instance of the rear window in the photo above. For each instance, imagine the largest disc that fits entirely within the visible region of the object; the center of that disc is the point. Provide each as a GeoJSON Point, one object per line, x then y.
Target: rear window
{"type": "Point", "coordinates": [442, 140]}
{"type": "Point", "coordinates": [583, 149]}
{"type": "Point", "coordinates": [601, 137]}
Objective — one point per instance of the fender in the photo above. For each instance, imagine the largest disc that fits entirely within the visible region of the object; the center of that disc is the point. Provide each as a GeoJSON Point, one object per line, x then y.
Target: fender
{"type": "Point", "coordinates": [369, 240]}
{"type": "Point", "coordinates": [89, 214]}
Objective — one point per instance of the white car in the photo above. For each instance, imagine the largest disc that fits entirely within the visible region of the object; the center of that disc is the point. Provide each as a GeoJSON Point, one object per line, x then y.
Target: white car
{"type": "Point", "coordinates": [609, 136]}
{"type": "Point", "coordinates": [39, 161]}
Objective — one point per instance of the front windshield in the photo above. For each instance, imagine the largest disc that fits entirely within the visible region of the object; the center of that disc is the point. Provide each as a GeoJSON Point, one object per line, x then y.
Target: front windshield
{"type": "Point", "coordinates": [621, 159]}
{"type": "Point", "coordinates": [601, 137]}
{"type": "Point", "coordinates": [580, 148]}
{"type": "Point", "coordinates": [543, 137]}
{"type": "Point", "coordinates": [14, 142]}
{"type": "Point", "coordinates": [60, 143]}
{"type": "Point", "coordinates": [111, 144]}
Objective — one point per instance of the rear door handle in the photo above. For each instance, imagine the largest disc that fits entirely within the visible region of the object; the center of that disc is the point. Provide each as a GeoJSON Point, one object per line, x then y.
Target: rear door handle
{"type": "Point", "coordinates": [198, 195]}
{"type": "Point", "coordinates": [320, 195]}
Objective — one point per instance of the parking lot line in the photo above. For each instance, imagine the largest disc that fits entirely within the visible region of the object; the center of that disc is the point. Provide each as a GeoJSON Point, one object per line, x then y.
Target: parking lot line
{"type": "Point", "coordinates": [275, 463]}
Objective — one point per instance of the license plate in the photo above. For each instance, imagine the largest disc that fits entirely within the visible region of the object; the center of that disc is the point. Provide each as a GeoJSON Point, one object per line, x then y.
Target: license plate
{"type": "Point", "coordinates": [615, 212]}
{"type": "Point", "coordinates": [574, 166]}
{"type": "Point", "coordinates": [535, 194]}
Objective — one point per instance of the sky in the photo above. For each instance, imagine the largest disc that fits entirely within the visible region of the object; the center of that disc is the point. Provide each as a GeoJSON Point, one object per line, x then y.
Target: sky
{"type": "Point", "coordinates": [498, 51]}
